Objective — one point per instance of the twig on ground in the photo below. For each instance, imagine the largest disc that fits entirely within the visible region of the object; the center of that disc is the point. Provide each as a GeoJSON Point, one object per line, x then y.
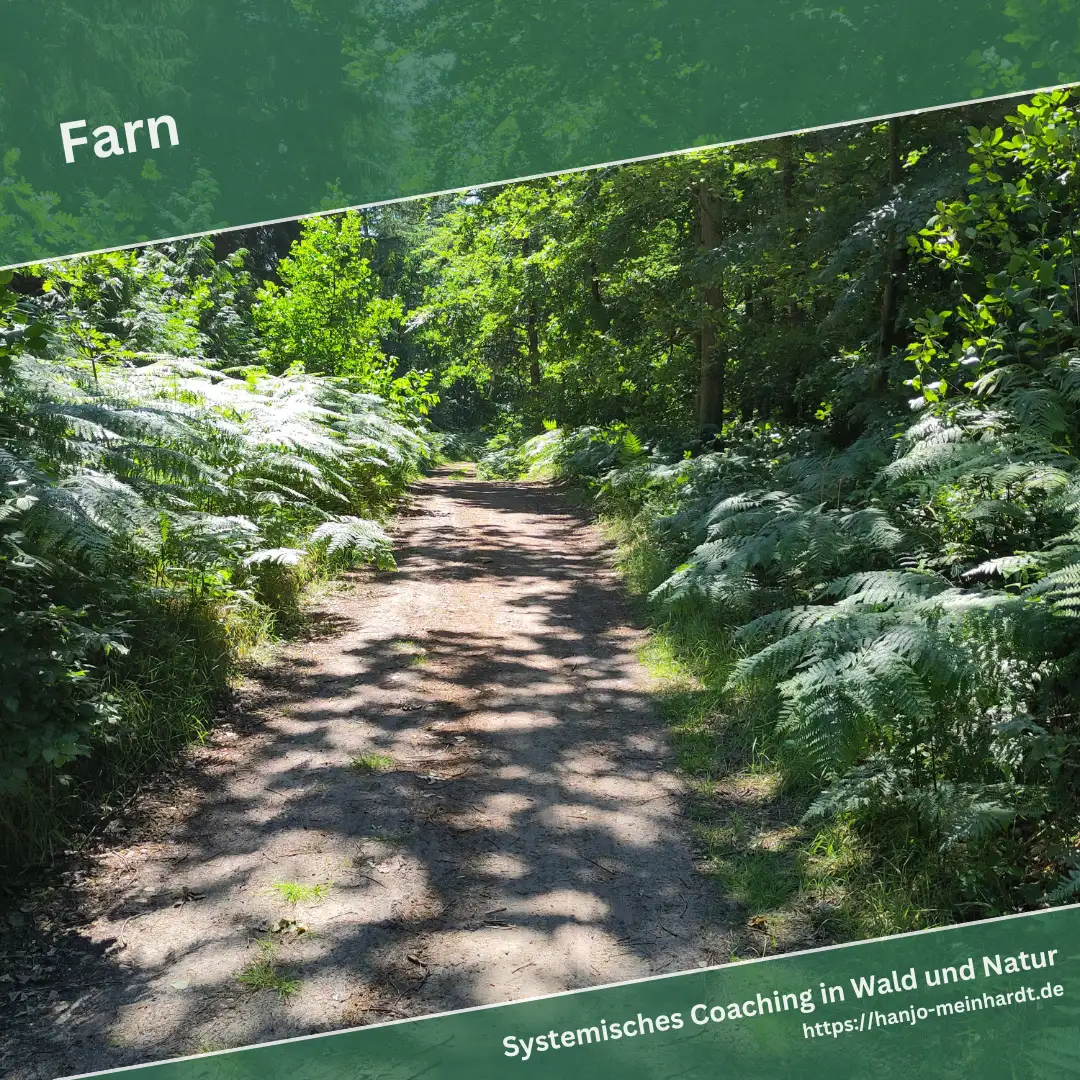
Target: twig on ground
{"type": "Point", "coordinates": [601, 866]}
{"type": "Point", "coordinates": [120, 938]}
{"type": "Point", "coordinates": [368, 877]}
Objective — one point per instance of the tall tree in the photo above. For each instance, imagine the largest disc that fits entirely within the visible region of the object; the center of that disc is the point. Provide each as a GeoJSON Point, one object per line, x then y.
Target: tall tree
{"type": "Point", "coordinates": [895, 251]}
{"type": "Point", "coordinates": [327, 314]}
{"type": "Point", "coordinates": [713, 354]}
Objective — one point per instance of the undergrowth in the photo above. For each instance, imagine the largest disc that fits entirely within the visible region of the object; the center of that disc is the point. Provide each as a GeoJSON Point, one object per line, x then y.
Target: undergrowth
{"type": "Point", "coordinates": [167, 503]}
{"type": "Point", "coordinates": [751, 790]}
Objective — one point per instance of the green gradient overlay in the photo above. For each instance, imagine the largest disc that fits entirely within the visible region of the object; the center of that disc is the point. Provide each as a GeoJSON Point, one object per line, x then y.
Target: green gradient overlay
{"type": "Point", "coordinates": [1028, 1024]}
{"type": "Point", "coordinates": [284, 107]}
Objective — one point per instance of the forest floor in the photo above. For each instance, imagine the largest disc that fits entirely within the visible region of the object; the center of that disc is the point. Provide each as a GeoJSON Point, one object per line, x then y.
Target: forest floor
{"type": "Point", "coordinates": [455, 790]}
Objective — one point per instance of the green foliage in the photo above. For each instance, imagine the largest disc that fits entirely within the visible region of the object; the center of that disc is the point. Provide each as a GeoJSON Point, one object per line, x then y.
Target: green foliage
{"type": "Point", "coordinates": [296, 892]}
{"type": "Point", "coordinates": [556, 454]}
{"type": "Point", "coordinates": [328, 316]}
{"type": "Point", "coordinates": [921, 688]}
{"type": "Point", "coordinates": [585, 298]}
{"type": "Point", "coordinates": [160, 513]}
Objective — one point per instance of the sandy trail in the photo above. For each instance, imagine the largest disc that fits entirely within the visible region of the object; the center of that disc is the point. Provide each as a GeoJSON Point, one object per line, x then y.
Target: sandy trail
{"type": "Point", "coordinates": [525, 838]}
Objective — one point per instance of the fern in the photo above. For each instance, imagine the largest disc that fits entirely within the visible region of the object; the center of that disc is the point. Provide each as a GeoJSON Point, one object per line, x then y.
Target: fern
{"type": "Point", "coordinates": [357, 539]}
{"type": "Point", "coordinates": [168, 480]}
{"type": "Point", "coordinates": [955, 814]}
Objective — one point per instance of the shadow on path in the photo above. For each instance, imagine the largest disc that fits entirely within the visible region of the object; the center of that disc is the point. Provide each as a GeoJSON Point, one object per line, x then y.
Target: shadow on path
{"type": "Point", "coordinates": [520, 833]}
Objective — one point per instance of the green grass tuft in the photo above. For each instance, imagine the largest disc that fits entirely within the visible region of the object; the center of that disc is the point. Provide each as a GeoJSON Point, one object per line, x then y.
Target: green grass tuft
{"type": "Point", "coordinates": [294, 892]}
{"type": "Point", "coordinates": [371, 763]}
{"type": "Point", "coordinates": [266, 973]}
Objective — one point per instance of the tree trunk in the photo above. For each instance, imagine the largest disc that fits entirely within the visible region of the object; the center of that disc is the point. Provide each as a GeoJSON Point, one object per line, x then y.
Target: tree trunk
{"type": "Point", "coordinates": [713, 356]}
{"type": "Point", "coordinates": [896, 256]}
{"type": "Point", "coordinates": [792, 234]}
{"type": "Point", "coordinates": [599, 309]}
{"type": "Point", "coordinates": [787, 173]}
{"type": "Point", "coordinates": [532, 334]}
{"type": "Point", "coordinates": [534, 350]}
{"type": "Point", "coordinates": [746, 397]}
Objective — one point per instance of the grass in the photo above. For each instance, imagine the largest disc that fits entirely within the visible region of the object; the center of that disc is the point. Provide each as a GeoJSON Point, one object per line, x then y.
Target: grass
{"type": "Point", "coordinates": [266, 973]}
{"type": "Point", "coordinates": [759, 881]}
{"type": "Point", "coordinates": [415, 652]}
{"type": "Point", "coordinates": [294, 892]}
{"type": "Point", "coordinates": [372, 763]}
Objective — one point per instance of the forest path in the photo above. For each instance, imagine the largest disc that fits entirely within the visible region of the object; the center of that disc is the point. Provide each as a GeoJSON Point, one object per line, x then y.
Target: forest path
{"type": "Point", "coordinates": [524, 837]}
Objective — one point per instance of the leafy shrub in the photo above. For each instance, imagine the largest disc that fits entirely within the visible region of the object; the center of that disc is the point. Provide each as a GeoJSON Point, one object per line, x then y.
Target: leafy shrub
{"type": "Point", "coordinates": [589, 452]}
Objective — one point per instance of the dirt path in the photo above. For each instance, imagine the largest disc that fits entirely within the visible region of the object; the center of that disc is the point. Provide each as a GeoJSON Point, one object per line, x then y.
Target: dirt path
{"type": "Point", "coordinates": [524, 838]}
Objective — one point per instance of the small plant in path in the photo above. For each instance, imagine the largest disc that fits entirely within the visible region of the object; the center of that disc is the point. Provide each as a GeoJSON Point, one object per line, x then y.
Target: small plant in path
{"type": "Point", "coordinates": [370, 763]}
{"type": "Point", "coordinates": [266, 973]}
{"type": "Point", "coordinates": [294, 892]}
